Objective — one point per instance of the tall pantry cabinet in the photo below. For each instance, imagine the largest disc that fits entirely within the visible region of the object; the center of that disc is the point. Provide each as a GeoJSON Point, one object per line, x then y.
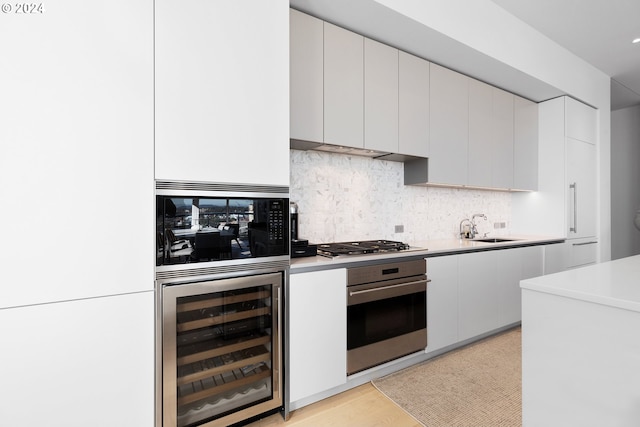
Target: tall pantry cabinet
{"type": "Point", "coordinates": [566, 203]}
{"type": "Point", "coordinates": [77, 208]}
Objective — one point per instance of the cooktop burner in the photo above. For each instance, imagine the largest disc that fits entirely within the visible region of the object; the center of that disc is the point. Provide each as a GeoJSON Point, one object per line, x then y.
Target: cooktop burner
{"type": "Point", "coordinates": [359, 248]}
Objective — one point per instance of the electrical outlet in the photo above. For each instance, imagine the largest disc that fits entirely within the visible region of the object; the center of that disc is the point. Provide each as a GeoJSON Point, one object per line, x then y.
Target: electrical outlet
{"type": "Point", "coordinates": [399, 229]}
{"type": "Point", "coordinates": [497, 225]}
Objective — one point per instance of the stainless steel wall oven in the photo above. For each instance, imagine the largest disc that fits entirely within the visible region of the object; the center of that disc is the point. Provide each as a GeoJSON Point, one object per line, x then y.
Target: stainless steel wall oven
{"type": "Point", "coordinates": [386, 313]}
{"type": "Point", "coordinates": [219, 330]}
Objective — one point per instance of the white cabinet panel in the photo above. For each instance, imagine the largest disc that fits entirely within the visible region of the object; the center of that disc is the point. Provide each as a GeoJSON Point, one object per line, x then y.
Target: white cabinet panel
{"type": "Point", "coordinates": [581, 189]}
{"type": "Point", "coordinates": [77, 142]}
{"type": "Point", "coordinates": [442, 302]}
{"type": "Point", "coordinates": [502, 146]}
{"type": "Point", "coordinates": [479, 294]}
{"type": "Point", "coordinates": [317, 331]}
{"type": "Point", "coordinates": [343, 87]}
{"type": "Point", "coordinates": [222, 91]}
{"type": "Point", "coordinates": [525, 144]}
{"type": "Point", "coordinates": [449, 126]}
{"type": "Point", "coordinates": [78, 363]}
{"type": "Point", "coordinates": [508, 274]}
{"type": "Point", "coordinates": [581, 121]}
{"type": "Point", "coordinates": [380, 97]}
{"type": "Point", "coordinates": [413, 115]}
{"type": "Point", "coordinates": [481, 135]}
{"type": "Point", "coordinates": [306, 77]}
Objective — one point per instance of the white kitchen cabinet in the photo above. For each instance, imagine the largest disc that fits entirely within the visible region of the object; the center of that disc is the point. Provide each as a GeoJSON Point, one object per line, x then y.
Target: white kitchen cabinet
{"type": "Point", "coordinates": [566, 201]}
{"type": "Point", "coordinates": [448, 126]}
{"type": "Point", "coordinates": [380, 97]}
{"type": "Point", "coordinates": [502, 146]}
{"type": "Point", "coordinates": [77, 146]}
{"type": "Point", "coordinates": [581, 188]}
{"type": "Point", "coordinates": [479, 293]}
{"type": "Point", "coordinates": [306, 77]}
{"type": "Point", "coordinates": [581, 121]}
{"type": "Point", "coordinates": [572, 253]}
{"type": "Point", "coordinates": [222, 91]}
{"type": "Point", "coordinates": [442, 302]}
{"type": "Point", "coordinates": [525, 144]}
{"type": "Point", "coordinates": [343, 87]}
{"type": "Point", "coordinates": [77, 363]}
{"type": "Point", "coordinates": [512, 266]}
{"type": "Point", "coordinates": [490, 136]}
{"type": "Point", "coordinates": [413, 99]}
{"type": "Point", "coordinates": [317, 332]}
{"type": "Point", "coordinates": [481, 138]}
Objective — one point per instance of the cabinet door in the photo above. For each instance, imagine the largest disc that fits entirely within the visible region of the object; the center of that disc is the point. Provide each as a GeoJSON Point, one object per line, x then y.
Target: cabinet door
{"type": "Point", "coordinates": [509, 265]}
{"type": "Point", "coordinates": [581, 121]}
{"type": "Point", "coordinates": [380, 97]}
{"type": "Point", "coordinates": [481, 136]}
{"type": "Point", "coordinates": [581, 189]}
{"type": "Point", "coordinates": [478, 293]}
{"type": "Point", "coordinates": [343, 87]}
{"type": "Point", "coordinates": [317, 332]}
{"type": "Point", "coordinates": [449, 126]}
{"type": "Point", "coordinates": [222, 91]}
{"type": "Point", "coordinates": [73, 359]}
{"type": "Point", "coordinates": [305, 77]}
{"type": "Point", "coordinates": [442, 302]}
{"type": "Point", "coordinates": [525, 144]}
{"type": "Point", "coordinates": [413, 98]}
{"type": "Point", "coordinates": [502, 138]}
{"type": "Point", "coordinates": [77, 152]}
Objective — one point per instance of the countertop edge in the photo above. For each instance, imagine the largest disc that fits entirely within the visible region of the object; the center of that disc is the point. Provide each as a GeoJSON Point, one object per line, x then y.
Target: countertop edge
{"type": "Point", "coordinates": [440, 248]}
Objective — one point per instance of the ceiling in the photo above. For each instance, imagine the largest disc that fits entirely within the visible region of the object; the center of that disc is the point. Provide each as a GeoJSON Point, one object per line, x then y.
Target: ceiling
{"type": "Point", "coordinates": [598, 31]}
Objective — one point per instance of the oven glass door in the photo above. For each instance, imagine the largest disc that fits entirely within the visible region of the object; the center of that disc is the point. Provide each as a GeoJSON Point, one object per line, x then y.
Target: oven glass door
{"type": "Point", "coordinates": [221, 350]}
{"type": "Point", "coordinates": [381, 319]}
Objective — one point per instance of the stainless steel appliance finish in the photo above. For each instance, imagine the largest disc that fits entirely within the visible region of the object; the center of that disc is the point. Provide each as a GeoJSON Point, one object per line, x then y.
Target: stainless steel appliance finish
{"type": "Point", "coordinates": [386, 313]}
{"type": "Point", "coordinates": [360, 248]}
{"type": "Point", "coordinates": [220, 340]}
{"type": "Point", "coordinates": [221, 350]}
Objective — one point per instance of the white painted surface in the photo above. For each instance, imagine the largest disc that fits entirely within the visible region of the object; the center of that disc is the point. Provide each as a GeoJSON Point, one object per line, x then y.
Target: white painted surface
{"type": "Point", "coordinates": [442, 302]}
{"type": "Point", "coordinates": [625, 176]}
{"type": "Point", "coordinates": [78, 363]}
{"type": "Point", "coordinates": [76, 163]}
{"type": "Point", "coordinates": [222, 91]}
{"type": "Point", "coordinates": [318, 332]}
{"type": "Point", "coordinates": [580, 346]}
{"type": "Point", "coordinates": [413, 99]}
{"type": "Point", "coordinates": [525, 144]}
{"type": "Point", "coordinates": [306, 45]}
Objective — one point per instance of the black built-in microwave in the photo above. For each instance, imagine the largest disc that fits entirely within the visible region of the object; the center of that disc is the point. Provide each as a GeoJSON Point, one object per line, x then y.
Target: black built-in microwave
{"type": "Point", "coordinates": [197, 226]}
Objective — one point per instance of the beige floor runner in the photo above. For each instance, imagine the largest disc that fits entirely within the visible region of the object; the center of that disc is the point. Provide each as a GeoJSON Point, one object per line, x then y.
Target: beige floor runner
{"type": "Point", "coordinates": [475, 386]}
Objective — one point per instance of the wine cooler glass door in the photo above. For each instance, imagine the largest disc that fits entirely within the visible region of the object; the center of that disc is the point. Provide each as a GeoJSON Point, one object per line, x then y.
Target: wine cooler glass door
{"type": "Point", "coordinates": [221, 350]}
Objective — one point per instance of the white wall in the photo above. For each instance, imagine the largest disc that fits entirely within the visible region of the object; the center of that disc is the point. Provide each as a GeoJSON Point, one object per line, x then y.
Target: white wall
{"type": "Point", "coordinates": [487, 28]}
{"type": "Point", "coordinates": [342, 198]}
{"type": "Point", "coordinates": [625, 181]}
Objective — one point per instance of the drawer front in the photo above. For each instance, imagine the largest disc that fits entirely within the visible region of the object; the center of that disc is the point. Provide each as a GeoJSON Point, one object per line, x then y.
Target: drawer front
{"type": "Point", "coordinates": [582, 252]}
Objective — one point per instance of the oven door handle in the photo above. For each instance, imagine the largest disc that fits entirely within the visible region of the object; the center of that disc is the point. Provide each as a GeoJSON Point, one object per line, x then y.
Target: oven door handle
{"type": "Point", "coordinates": [385, 288]}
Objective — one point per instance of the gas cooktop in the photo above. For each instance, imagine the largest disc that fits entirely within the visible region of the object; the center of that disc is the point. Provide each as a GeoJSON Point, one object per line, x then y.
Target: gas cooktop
{"type": "Point", "coordinates": [359, 248]}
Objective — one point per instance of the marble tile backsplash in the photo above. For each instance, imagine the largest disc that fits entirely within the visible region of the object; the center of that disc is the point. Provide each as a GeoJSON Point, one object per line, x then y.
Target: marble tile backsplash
{"type": "Point", "coordinates": [342, 198]}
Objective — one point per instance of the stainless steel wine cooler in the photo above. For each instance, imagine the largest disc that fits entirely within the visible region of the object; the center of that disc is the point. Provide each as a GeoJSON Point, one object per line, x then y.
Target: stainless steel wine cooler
{"type": "Point", "coordinates": [221, 349]}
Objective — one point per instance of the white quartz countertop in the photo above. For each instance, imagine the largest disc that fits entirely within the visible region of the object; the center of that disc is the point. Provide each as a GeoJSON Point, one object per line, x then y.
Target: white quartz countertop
{"type": "Point", "coordinates": [425, 249]}
{"type": "Point", "coordinates": [614, 283]}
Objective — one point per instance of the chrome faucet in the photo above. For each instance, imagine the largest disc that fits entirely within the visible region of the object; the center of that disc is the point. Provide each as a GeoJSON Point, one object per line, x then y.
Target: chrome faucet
{"type": "Point", "coordinates": [474, 228]}
{"type": "Point", "coordinates": [466, 234]}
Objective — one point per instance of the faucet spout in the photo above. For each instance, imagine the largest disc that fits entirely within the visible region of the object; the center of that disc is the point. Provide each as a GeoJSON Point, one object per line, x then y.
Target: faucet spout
{"type": "Point", "coordinates": [474, 228]}
{"type": "Point", "coordinates": [466, 234]}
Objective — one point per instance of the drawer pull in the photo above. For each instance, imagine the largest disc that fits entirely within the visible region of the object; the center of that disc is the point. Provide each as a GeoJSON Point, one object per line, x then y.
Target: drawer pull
{"type": "Point", "coordinates": [585, 243]}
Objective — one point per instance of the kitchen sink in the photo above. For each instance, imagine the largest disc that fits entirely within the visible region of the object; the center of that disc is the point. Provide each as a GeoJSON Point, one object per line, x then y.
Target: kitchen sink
{"type": "Point", "coordinates": [494, 240]}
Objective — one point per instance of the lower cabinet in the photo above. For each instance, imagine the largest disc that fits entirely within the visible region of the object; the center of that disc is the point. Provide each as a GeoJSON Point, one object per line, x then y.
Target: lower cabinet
{"type": "Point", "coordinates": [475, 293]}
{"type": "Point", "coordinates": [317, 332]}
{"type": "Point", "coordinates": [78, 363]}
{"type": "Point", "coordinates": [572, 253]}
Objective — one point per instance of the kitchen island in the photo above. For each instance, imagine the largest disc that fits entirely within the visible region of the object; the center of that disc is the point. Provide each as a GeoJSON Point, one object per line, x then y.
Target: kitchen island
{"type": "Point", "coordinates": [581, 346]}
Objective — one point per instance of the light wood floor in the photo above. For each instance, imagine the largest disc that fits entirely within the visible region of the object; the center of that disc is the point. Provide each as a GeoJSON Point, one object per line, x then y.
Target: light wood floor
{"type": "Point", "coordinates": [361, 406]}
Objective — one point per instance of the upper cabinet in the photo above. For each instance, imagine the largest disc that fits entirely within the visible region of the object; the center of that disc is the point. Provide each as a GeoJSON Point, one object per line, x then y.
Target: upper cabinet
{"type": "Point", "coordinates": [343, 87]}
{"type": "Point", "coordinates": [380, 97]}
{"type": "Point", "coordinates": [581, 121]}
{"type": "Point", "coordinates": [525, 144]}
{"type": "Point", "coordinates": [222, 108]}
{"type": "Point", "coordinates": [449, 127]}
{"type": "Point", "coordinates": [413, 105]}
{"type": "Point", "coordinates": [503, 139]}
{"type": "Point", "coordinates": [306, 50]}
